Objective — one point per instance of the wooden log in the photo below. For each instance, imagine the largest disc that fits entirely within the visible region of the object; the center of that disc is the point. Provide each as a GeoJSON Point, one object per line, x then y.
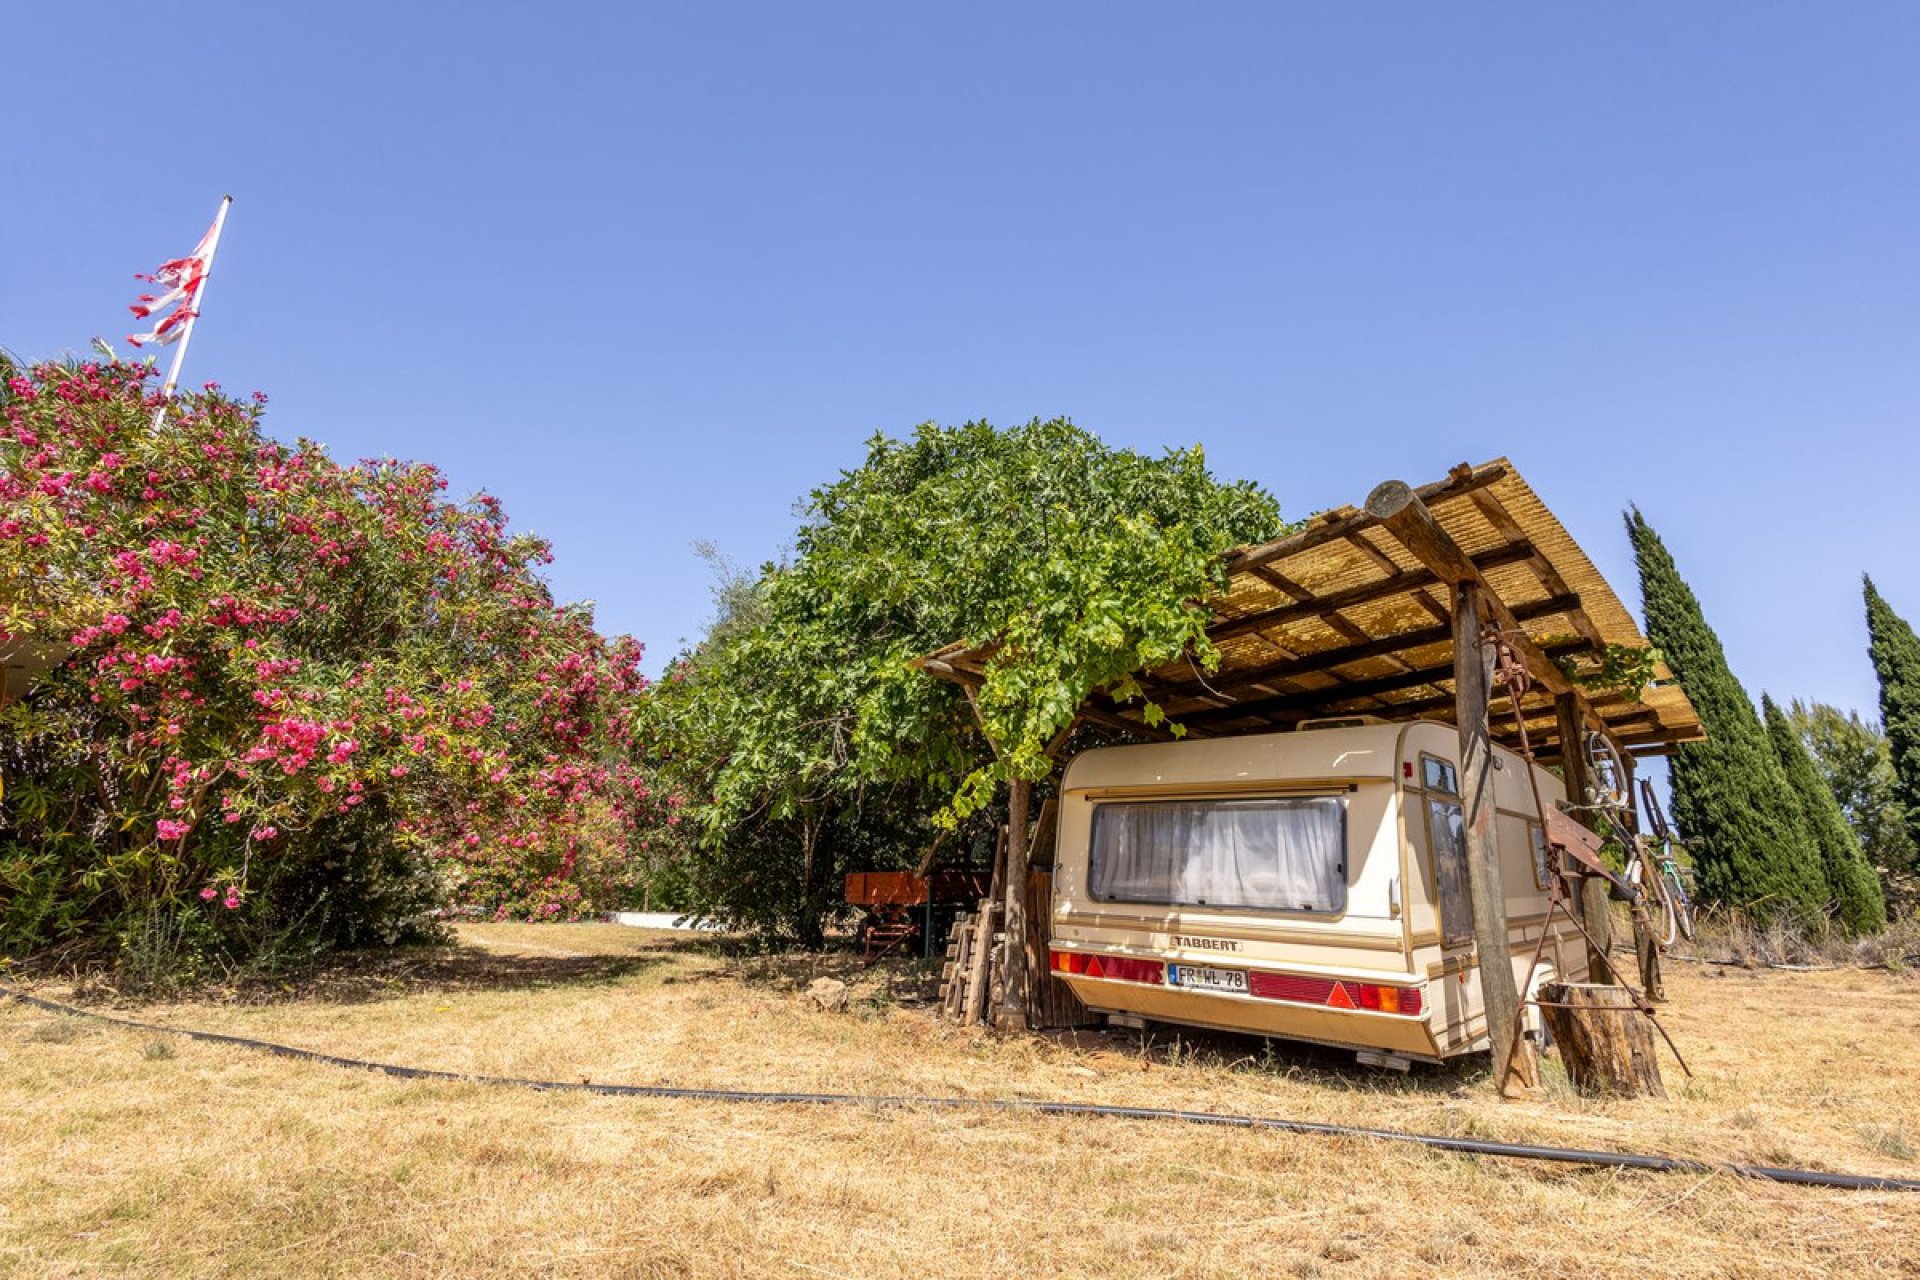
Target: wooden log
{"type": "Point", "coordinates": [1013, 1002]}
{"type": "Point", "coordinates": [1596, 910]}
{"type": "Point", "coordinates": [1473, 678]}
{"type": "Point", "coordinates": [1461, 480]}
{"type": "Point", "coordinates": [1606, 1042]}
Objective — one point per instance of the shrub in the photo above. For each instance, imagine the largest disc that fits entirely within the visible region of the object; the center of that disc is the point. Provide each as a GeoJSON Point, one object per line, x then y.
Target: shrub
{"type": "Point", "coordinates": [304, 704]}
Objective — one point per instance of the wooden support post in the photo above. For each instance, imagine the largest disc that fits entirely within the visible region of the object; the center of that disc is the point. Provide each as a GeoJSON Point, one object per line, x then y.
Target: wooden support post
{"type": "Point", "coordinates": [1606, 1041]}
{"type": "Point", "coordinates": [1473, 677]}
{"type": "Point", "coordinates": [1596, 908]}
{"type": "Point", "coordinates": [1013, 1004]}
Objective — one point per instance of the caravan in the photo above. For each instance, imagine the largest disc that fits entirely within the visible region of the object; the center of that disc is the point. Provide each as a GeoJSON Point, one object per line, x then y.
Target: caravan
{"type": "Point", "coordinates": [1309, 885]}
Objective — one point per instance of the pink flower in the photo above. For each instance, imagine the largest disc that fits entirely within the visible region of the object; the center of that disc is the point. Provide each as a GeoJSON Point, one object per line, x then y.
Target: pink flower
{"type": "Point", "coordinates": [170, 829]}
{"type": "Point", "coordinates": [209, 893]}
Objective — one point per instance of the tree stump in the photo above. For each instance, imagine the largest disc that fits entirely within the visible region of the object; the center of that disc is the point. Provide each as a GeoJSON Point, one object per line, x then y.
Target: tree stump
{"type": "Point", "coordinates": [1606, 1042]}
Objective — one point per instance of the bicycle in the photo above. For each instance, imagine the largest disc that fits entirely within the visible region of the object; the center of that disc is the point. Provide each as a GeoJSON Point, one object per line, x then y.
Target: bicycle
{"type": "Point", "coordinates": [1670, 880]}
{"type": "Point", "coordinates": [1650, 865]}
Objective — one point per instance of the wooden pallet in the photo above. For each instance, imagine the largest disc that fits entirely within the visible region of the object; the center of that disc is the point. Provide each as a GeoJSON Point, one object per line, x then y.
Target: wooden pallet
{"type": "Point", "coordinates": [964, 979]}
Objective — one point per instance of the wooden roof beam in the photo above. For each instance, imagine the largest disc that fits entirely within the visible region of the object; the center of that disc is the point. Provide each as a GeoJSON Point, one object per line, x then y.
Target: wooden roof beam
{"type": "Point", "coordinates": [1400, 509]}
{"type": "Point", "coordinates": [1462, 480]}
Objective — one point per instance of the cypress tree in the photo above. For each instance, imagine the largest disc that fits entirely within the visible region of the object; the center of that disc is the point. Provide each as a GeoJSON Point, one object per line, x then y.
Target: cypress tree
{"type": "Point", "coordinates": [1853, 890]}
{"type": "Point", "coordinates": [1731, 798]}
{"type": "Point", "coordinates": [1896, 661]}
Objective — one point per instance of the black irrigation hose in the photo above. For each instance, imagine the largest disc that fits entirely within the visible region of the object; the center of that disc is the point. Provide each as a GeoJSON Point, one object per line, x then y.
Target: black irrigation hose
{"type": "Point", "coordinates": [1463, 1146]}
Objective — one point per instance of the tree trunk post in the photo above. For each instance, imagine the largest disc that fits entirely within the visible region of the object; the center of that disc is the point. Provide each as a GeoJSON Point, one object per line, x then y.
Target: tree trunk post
{"type": "Point", "coordinates": [1013, 1005]}
{"type": "Point", "coordinates": [1596, 907]}
{"type": "Point", "coordinates": [1473, 659]}
{"type": "Point", "coordinates": [1606, 1040]}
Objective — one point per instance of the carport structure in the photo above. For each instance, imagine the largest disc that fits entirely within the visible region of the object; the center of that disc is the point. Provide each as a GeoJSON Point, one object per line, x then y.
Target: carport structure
{"type": "Point", "coordinates": [1353, 615]}
{"type": "Point", "coordinates": [1396, 609]}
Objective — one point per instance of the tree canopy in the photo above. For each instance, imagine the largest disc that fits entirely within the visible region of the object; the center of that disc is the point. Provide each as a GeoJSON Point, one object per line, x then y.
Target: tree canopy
{"type": "Point", "coordinates": [1853, 759]}
{"type": "Point", "coordinates": [1895, 653]}
{"type": "Point", "coordinates": [1079, 562]}
{"type": "Point", "coordinates": [1853, 891]}
{"type": "Point", "coordinates": [1731, 797]}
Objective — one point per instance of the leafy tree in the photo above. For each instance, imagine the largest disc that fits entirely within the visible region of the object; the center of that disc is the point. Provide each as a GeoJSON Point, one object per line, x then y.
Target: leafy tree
{"type": "Point", "coordinates": [1080, 563]}
{"type": "Point", "coordinates": [1896, 661]}
{"type": "Point", "coordinates": [1731, 796]}
{"type": "Point", "coordinates": [1857, 766]}
{"type": "Point", "coordinates": [306, 704]}
{"type": "Point", "coordinates": [1853, 891]}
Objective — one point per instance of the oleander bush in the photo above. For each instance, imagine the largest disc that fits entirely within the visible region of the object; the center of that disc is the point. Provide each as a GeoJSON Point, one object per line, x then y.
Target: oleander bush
{"type": "Point", "coordinates": [296, 703]}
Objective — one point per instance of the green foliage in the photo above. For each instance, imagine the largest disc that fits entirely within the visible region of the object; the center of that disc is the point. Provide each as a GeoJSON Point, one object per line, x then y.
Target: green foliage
{"type": "Point", "coordinates": [1731, 797]}
{"type": "Point", "coordinates": [1082, 564]}
{"type": "Point", "coordinates": [1853, 890]}
{"type": "Point", "coordinates": [294, 704]}
{"type": "Point", "coordinates": [1857, 766]}
{"type": "Point", "coordinates": [1896, 661]}
{"type": "Point", "coordinates": [1624, 669]}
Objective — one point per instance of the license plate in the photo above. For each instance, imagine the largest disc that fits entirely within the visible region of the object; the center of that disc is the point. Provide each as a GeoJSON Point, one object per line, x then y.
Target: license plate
{"type": "Point", "coordinates": [1200, 978]}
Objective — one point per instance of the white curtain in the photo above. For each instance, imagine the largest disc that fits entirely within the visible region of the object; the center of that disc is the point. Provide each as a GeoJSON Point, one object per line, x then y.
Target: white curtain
{"type": "Point", "coordinates": [1287, 855]}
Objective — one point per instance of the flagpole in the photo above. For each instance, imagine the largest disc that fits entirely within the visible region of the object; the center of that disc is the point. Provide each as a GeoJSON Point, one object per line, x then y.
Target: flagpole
{"type": "Point", "coordinates": [195, 301]}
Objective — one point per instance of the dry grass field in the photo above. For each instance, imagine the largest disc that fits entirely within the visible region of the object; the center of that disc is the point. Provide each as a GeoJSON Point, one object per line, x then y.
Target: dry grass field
{"type": "Point", "coordinates": [125, 1153]}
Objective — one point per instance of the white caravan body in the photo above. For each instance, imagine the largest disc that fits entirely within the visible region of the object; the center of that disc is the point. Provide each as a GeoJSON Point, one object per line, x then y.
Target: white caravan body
{"type": "Point", "coordinates": [1308, 885]}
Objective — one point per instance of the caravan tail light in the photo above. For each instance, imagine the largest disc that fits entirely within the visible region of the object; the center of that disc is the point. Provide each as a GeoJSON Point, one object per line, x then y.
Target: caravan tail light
{"type": "Point", "coordinates": [1119, 968]}
{"type": "Point", "coordinates": [1336, 995]}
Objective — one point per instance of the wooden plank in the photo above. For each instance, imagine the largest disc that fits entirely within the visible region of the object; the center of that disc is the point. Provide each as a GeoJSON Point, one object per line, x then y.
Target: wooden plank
{"type": "Point", "coordinates": [953, 985]}
{"type": "Point", "coordinates": [1486, 887]}
{"type": "Point", "coordinates": [980, 969]}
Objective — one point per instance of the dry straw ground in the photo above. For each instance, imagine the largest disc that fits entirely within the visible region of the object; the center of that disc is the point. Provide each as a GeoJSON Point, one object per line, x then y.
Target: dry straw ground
{"type": "Point", "coordinates": [123, 1153]}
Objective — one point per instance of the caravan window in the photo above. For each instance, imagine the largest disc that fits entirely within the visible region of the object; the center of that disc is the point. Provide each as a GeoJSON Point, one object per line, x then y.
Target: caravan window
{"type": "Point", "coordinates": [1282, 855]}
{"type": "Point", "coordinates": [1447, 838]}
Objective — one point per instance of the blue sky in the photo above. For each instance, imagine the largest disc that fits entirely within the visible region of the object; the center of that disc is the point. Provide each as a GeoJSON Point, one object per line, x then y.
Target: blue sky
{"type": "Point", "coordinates": [651, 273]}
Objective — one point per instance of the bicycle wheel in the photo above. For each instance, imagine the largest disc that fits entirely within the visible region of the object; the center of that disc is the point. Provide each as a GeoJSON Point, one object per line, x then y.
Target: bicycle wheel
{"type": "Point", "coordinates": [1676, 895]}
{"type": "Point", "coordinates": [1607, 780]}
{"type": "Point", "coordinates": [1660, 904]}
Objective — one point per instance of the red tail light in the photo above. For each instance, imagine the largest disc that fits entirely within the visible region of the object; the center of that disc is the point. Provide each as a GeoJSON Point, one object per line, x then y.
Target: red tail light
{"type": "Point", "coordinates": [1290, 987]}
{"type": "Point", "coordinates": [1338, 995]}
{"type": "Point", "coordinates": [1120, 968]}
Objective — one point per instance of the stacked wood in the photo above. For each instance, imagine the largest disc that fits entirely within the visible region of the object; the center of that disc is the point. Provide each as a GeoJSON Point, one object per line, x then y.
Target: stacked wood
{"type": "Point", "coordinates": [1605, 1039]}
{"type": "Point", "coordinates": [967, 980]}
{"type": "Point", "coordinates": [953, 979]}
{"type": "Point", "coordinates": [980, 970]}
